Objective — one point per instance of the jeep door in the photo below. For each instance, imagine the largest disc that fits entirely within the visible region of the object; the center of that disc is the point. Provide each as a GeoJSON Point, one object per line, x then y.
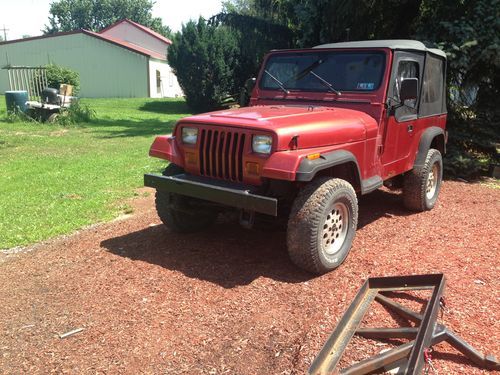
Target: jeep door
{"type": "Point", "coordinates": [402, 122]}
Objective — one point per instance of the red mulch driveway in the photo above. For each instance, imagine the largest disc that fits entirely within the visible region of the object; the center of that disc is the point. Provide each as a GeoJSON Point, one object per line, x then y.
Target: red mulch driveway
{"type": "Point", "coordinates": [229, 300]}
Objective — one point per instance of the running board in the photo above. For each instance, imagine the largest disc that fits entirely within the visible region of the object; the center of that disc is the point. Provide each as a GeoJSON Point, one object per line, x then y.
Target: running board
{"type": "Point", "coordinates": [371, 184]}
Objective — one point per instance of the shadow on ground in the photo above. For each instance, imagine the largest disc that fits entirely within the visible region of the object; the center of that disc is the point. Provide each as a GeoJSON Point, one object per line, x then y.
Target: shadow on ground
{"type": "Point", "coordinates": [378, 204]}
{"type": "Point", "coordinates": [166, 107]}
{"type": "Point", "coordinates": [229, 255]}
{"type": "Point", "coordinates": [107, 128]}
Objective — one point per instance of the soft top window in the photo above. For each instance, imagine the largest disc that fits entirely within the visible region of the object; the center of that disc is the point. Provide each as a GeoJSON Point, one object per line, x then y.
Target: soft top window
{"type": "Point", "coordinates": [433, 100]}
{"type": "Point", "coordinates": [314, 71]}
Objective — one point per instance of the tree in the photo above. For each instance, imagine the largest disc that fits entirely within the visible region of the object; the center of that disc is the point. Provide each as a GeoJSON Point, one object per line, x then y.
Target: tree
{"type": "Point", "coordinates": [274, 11]}
{"type": "Point", "coordinates": [256, 37]}
{"type": "Point", "coordinates": [204, 57]}
{"type": "Point", "coordinates": [95, 15]}
{"type": "Point", "coordinates": [469, 32]}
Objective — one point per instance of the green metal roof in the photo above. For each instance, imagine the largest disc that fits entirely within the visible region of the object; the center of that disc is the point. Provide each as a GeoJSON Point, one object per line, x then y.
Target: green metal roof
{"type": "Point", "coordinates": [395, 44]}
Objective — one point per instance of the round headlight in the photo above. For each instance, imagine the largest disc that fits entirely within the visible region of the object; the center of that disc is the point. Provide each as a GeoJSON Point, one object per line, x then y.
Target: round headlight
{"type": "Point", "coordinates": [189, 135]}
{"type": "Point", "coordinates": [262, 144]}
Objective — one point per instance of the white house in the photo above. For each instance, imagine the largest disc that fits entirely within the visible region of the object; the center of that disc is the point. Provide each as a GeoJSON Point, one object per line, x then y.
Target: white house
{"type": "Point", "coordinates": [124, 60]}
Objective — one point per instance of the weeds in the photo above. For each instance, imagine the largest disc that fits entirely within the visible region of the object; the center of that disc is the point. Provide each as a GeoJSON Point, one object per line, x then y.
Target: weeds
{"type": "Point", "coordinates": [77, 113]}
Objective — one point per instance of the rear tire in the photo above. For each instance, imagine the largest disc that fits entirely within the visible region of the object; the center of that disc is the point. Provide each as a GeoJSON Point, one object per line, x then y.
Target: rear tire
{"type": "Point", "coordinates": [322, 225]}
{"type": "Point", "coordinates": [180, 213]}
{"type": "Point", "coordinates": [422, 184]}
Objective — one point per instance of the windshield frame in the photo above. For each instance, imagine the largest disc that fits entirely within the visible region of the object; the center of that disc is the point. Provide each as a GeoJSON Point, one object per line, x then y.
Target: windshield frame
{"type": "Point", "coordinates": [319, 52]}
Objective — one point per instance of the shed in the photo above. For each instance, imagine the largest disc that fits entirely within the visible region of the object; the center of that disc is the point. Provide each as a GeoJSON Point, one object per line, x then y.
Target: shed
{"type": "Point", "coordinates": [124, 60]}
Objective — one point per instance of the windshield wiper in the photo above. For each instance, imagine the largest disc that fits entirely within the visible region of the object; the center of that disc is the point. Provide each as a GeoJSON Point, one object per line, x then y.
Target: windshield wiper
{"type": "Point", "coordinates": [309, 70]}
{"type": "Point", "coordinates": [325, 82]}
{"type": "Point", "coordinates": [280, 84]}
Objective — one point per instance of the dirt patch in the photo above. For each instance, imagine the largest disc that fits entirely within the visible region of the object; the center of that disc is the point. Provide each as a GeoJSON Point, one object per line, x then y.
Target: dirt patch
{"type": "Point", "coordinates": [229, 300]}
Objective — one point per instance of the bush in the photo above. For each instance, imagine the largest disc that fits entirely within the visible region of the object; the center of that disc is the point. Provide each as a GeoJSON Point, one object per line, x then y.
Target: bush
{"type": "Point", "coordinates": [204, 58]}
{"type": "Point", "coordinates": [56, 75]}
{"type": "Point", "coordinates": [77, 113]}
{"type": "Point", "coordinates": [473, 141]}
{"type": "Point", "coordinates": [469, 33]}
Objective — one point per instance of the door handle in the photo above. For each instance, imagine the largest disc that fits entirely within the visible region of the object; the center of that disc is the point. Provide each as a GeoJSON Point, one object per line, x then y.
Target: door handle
{"type": "Point", "coordinates": [410, 128]}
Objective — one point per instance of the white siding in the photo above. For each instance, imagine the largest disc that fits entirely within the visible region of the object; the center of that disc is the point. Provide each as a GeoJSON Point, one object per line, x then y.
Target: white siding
{"type": "Point", "coordinates": [106, 70]}
{"type": "Point", "coordinates": [168, 85]}
{"type": "Point", "coordinates": [132, 34]}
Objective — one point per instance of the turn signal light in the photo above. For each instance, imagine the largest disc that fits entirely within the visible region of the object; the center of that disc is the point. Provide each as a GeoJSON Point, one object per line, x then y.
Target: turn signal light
{"type": "Point", "coordinates": [314, 156]}
{"type": "Point", "coordinates": [190, 158]}
{"type": "Point", "coordinates": [252, 168]}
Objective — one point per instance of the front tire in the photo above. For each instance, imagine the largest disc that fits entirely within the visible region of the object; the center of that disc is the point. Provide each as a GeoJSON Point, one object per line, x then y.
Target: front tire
{"type": "Point", "coordinates": [180, 213]}
{"type": "Point", "coordinates": [322, 225]}
{"type": "Point", "coordinates": [422, 184]}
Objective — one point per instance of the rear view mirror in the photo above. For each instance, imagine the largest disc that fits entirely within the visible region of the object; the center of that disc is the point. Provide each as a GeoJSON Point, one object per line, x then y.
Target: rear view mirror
{"type": "Point", "coordinates": [409, 89]}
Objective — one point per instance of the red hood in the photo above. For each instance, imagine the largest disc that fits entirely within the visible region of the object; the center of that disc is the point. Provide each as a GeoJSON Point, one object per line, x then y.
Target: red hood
{"type": "Point", "coordinates": [316, 126]}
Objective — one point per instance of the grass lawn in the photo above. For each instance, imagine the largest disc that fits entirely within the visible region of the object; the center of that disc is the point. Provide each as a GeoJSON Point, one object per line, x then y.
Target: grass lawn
{"type": "Point", "coordinates": [54, 179]}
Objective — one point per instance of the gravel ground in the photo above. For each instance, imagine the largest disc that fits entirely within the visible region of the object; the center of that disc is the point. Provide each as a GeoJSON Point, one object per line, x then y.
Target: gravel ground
{"type": "Point", "coordinates": [230, 301]}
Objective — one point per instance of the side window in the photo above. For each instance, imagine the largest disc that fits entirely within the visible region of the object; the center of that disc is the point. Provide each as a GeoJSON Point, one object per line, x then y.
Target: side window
{"type": "Point", "coordinates": [433, 95]}
{"type": "Point", "coordinates": [406, 69]}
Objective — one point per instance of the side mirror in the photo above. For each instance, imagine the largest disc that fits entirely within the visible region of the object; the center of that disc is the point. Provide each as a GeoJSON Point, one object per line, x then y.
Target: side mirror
{"type": "Point", "coordinates": [246, 91]}
{"type": "Point", "coordinates": [250, 84]}
{"type": "Point", "coordinates": [409, 89]}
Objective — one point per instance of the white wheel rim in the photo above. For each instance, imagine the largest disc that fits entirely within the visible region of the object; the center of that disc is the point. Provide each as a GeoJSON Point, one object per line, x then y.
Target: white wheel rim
{"type": "Point", "coordinates": [432, 181]}
{"type": "Point", "coordinates": [335, 228]}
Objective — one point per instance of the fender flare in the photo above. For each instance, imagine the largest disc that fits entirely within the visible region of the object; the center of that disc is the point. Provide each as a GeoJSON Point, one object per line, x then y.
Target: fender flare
{"type": "Point", "coordinates": [425, 143]}
{"type": "Point", "coordinates": [308, 168]}
{"type": "Point", "coordinates": [165, 147]}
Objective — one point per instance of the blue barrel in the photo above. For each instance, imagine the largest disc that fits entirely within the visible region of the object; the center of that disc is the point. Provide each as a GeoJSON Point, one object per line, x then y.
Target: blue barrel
{"type": "Point", "coordinates": [16, 101]}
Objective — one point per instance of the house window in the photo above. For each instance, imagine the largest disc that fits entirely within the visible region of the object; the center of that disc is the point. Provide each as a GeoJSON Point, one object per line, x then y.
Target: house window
{"type": "Point", "coordinates": [158, 82]}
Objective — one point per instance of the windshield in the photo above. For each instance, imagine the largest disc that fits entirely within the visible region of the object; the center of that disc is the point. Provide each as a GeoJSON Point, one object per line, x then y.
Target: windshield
{"type": "Point", "coordinates": [335, 71]}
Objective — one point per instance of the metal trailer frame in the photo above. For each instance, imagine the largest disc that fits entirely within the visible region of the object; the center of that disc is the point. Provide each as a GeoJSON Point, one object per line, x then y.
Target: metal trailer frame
{"type": "Point", "coordinates": [414, 354]}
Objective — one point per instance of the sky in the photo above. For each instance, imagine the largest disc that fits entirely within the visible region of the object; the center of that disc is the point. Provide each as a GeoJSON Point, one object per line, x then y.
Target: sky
{"type": "Point", "coordinates": [28, 17]}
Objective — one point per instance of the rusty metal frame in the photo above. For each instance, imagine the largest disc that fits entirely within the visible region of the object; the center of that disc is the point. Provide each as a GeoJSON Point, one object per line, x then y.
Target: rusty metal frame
{"type": "Point", "coordinates": [411, 355]}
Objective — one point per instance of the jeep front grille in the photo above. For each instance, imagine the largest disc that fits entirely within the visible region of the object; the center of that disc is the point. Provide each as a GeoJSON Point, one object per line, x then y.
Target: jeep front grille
{"type": "Point", "coordinates": [221, 154]}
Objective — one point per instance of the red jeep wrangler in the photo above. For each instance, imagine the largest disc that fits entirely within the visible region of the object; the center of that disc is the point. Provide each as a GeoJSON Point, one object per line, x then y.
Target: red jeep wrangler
{"type": "Point", "coordinates": [323, 125]}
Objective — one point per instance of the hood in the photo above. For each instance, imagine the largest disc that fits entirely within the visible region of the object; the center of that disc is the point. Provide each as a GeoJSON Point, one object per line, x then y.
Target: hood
{"type": "Point", "coordinates": [315, 126]}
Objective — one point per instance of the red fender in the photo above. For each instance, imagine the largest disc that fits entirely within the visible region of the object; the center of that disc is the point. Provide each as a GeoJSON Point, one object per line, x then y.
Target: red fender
{"type": "Point", "coordinates": [165, 147]}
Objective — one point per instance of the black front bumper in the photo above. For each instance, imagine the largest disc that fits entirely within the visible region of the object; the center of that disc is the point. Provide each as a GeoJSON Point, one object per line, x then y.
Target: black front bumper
{"type": "Point", "coordinates": [239, 196]}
